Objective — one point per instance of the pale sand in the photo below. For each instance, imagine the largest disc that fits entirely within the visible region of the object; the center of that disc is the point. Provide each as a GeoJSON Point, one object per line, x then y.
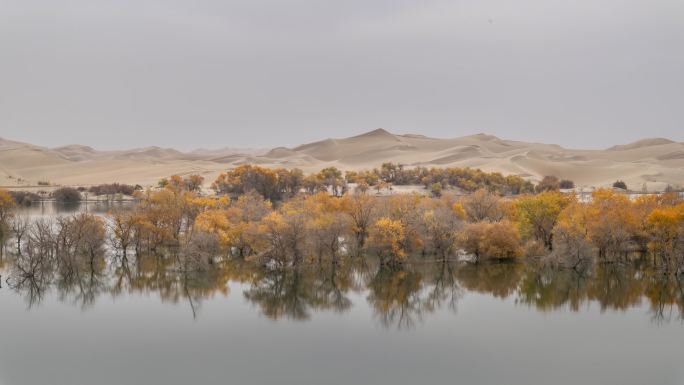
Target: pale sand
{"type": "Point", "coordinates": [654, 162]}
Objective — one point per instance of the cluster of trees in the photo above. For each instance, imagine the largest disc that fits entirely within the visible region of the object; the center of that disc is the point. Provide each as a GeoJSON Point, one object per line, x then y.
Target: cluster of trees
{"type": "Point", "coordinates": [611, 227]}
{"type": "Point", "coordinates": [466, 179]}
{"type": "Point", "coordinates": [307, 229]}
{"type": "Point", "coordinates": [67, 246]}
{"type": "Point", "coordinates": [313, 227]}
{"type": "Point", "coordinates": [287, 227]}
{"type": "Point", "coordinates": [112, 189]}
{"type": "Point", "coordinates": [25, 198]}
{"type": "Point", "coordinates": [280, 184]}
{"type": "Point", "coordinates": [191, 182]}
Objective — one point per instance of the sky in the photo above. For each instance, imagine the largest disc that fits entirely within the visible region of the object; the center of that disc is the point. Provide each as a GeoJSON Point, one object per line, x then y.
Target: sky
{"type": "Point", "coordinates": [264, 73]}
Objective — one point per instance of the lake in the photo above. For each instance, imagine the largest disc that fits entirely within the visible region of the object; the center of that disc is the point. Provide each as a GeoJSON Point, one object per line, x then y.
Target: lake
{"type": "Point", "coordinates": [144, 321]}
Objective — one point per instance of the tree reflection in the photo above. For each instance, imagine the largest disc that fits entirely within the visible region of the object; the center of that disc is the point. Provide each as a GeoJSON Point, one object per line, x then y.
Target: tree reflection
{"type": "Point", "coordinates": [443, 288]}
{"type": "Point", "coordinates": [395, 297]}
{"type": "Point", "coordinates": [283, 293]}
{"type": "Point", "coordinates": [616, 286]}
{"type": "Point", "coordinates": [31, 275]}
{"type": "Point", "coordinates": [550, 288]}
{"type": "Point", "coordinates": [665, 294]}
{"type": "Point", "coordinates": [399, 297]}
{"type": "Point", "coordinates": [499, 279]}
{"type": "Point", "coordinates": [81, 283]}
{"type": "Point", "coordinates": [612, 287]}
{"type": "Point", "coordinates": [295, 293]}
{"type": "Point", "coordinates": [331, 287]}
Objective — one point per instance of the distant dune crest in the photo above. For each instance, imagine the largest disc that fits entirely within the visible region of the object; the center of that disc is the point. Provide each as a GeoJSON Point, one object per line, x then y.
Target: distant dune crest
{"type": "Point", "coordinates": [654, 162]}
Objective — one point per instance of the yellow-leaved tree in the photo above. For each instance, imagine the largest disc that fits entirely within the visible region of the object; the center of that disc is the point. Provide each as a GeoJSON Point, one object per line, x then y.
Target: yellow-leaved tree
{"type": "Point", "coordinates": [7, 205]}
{"type": "Point", "coordinates": [536, 215]}
{"type": "Point", "coordinates": [387, 237]}
{"type": "Point", "coordinates": [666, 226]}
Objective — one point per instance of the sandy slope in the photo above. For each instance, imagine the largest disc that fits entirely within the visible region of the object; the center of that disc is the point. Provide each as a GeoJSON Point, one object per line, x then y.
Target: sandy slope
{"type": "Point", "coordinates": [654, 162]}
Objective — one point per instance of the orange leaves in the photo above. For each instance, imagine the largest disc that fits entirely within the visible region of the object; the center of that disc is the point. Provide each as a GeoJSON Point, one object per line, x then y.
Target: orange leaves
{"type": "Point", "coordinates": [666, 225]}
{"type": "Point", "coordinates": [387, 236]}
{"type": "Point", "coordinates": [537, 214]}
{"type": "Point", "coordinates": [6, 206]}
{"type": "Point", "coordinates": [246, 178]}
{"type": "Point", "coordinates": [498, 240]}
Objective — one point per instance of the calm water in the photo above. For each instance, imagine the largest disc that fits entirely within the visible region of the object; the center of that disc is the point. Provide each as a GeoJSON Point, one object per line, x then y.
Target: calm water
{"type": "Point", "coordinates": [143, 322]}
{"type": "Point", "coordinates": [46, 209]}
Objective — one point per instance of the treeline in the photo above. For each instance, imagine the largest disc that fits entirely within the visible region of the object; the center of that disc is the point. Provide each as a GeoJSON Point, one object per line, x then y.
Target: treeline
{"type": "Point", "coordinates": [114, 189]}
{"type": "Point", "coordinates": [315, 227]}
{"type": "Point", "coordinates": [466, 179]}
{"type": "Point", "coordinates": [280, 184]}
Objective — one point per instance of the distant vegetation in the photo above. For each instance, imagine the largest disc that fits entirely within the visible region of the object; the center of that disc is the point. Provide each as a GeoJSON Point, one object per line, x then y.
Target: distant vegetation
{"type": "Point", "coordinates": [620, 184]}
{"type": "Point", "coordinates": [313, 227]}
{"type": "Point", "coordinates": [548, 183]}
{"type": "Point", "coordinates": [7, 205]}
{"type": "Point", "coordinates": [113, 188]}
{"type": "Point", "coordinates": [190, 183]}
{"type": "Point", "coordinates": [566, 184]}
{"type": "Point", "coordinates": [25, 198]}
{"type": "Point", "coordinates": [285, 218]}
{"type": "Point", "coordinates": [466, 179]}
{"type": "Point", "coordinates": [280, 184]}
{"type": "Point", "coordinates": [66, 195]}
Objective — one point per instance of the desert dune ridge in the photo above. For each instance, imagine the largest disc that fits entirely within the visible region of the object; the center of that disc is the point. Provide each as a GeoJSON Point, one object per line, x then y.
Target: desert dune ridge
{"type": "Point", "coordinates": [648, 163]}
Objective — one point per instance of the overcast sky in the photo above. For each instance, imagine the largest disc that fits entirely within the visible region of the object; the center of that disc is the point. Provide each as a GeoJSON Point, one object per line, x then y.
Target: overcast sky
{"type": "Point", "coordinates": [260, 73]}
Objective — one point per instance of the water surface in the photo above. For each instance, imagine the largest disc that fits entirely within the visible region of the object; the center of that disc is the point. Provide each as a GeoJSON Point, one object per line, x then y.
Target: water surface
{"type": "Point", "coordinates": [145, 321]}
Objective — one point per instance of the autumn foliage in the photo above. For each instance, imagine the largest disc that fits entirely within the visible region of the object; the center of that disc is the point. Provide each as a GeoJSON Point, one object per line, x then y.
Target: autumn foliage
{"type": "Point", "coordinates": [284, 218]}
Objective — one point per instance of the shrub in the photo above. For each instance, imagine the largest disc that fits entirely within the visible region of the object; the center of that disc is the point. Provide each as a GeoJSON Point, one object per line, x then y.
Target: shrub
{"type": "Point", "coordinates": [549, 183]}
{"type": "Point", "coordinates": [498, 240]}
{"type": "Point", "coordinates": [620, 184]}
{"type": "Point", "coordinates": [436, 189]}
{"type": "Point", "coordinates": [567, 184]}
{"type": "Point", "coordinates": [25, 198]}
{"type": "Point", "coordinates": [66, 195]}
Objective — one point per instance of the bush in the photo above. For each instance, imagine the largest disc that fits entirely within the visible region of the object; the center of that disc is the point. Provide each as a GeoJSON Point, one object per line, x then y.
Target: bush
{"type": "Point", "coordinates": [549, 183]}
{"type": "Point", "coordinates": [620, 184]}
{"type": "Point", "coordinates": [66, 195]}
{"type": "Point", "coordinates": [436, 189]}
{"type": "Point", "coordinates": [498, 240]}
{"type": "Point", "coordinates": [25, 198]}
{"type": "Point", "coordinates": [567, 184]}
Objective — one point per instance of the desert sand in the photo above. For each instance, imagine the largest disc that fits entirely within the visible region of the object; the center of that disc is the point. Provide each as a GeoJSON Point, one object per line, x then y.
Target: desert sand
{"type": "Point", "coordinates": [654, 163]}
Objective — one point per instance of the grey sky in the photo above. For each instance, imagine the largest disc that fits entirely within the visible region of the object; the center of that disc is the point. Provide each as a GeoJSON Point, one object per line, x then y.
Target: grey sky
{"type": "Point", "coordinates": [258, 73]}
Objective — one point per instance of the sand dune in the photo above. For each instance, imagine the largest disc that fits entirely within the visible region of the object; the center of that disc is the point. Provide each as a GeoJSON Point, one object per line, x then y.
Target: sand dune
{"type": "Point", "coordinates": [653, 162]}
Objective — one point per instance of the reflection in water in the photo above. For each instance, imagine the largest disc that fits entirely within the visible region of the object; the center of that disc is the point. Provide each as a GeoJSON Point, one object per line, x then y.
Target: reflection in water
{"type": "Point", "coordinates": [293, 293]}
{"type": "Point", "coordinates": [498, 279]}
{"type": "Point", "coordinates": [48, 208]}
{"type": "Point", "coordinates": [395, 294]}
{"type": "Point", "coordinates": [399, 297]}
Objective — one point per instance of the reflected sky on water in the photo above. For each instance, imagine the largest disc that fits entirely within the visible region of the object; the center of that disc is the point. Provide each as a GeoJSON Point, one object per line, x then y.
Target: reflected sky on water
{"type": "Point", "coordinates": [142, 321]}
{"type": "Point", "coordinates": [51, 208]}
